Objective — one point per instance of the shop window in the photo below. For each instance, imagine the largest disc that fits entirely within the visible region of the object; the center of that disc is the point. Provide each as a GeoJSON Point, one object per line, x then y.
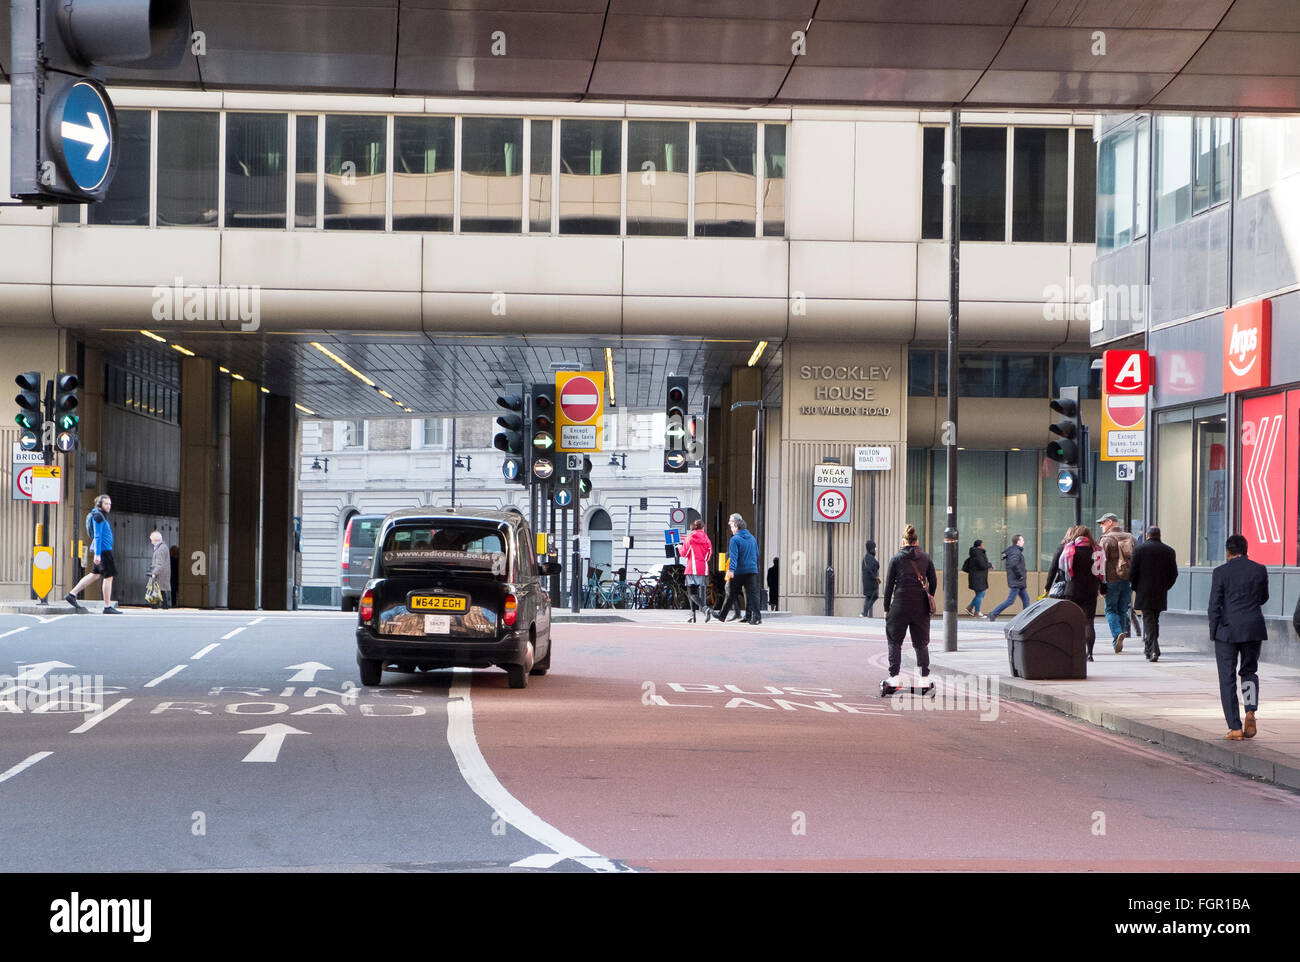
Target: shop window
{"type": "Point", "coordinates": [1192, 444]}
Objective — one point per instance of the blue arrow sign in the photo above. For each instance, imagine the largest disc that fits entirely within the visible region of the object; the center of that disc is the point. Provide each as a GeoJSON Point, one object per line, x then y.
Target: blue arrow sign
{"type": "Point", "coordinates": [86, 132]}
{"type": "Point", "coordinates": [563, 497]}
{"type": "Point", "coordinates": [510, 468]}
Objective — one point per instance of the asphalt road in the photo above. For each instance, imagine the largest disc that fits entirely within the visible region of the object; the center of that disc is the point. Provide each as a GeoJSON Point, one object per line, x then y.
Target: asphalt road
{"type": "Point", "coordinates": [684, 747]}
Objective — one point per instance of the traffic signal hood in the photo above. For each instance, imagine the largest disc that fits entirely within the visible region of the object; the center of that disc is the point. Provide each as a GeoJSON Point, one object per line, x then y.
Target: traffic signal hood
{"type": "Point", "coordinates": [675, 430]}
{"type": "Point", "coordinates": [1066, 445]}
{"type": "Point", "coordinates": [510, 438]}
{"type": "Point", "coordinates": [65, 403]}
{"type": "Point", "coordinates": [29, 400]}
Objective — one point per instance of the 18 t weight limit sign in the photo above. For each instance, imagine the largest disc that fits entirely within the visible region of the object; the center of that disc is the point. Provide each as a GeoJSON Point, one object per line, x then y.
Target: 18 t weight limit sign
{"type": "Point", "coordinates": [832, 506]}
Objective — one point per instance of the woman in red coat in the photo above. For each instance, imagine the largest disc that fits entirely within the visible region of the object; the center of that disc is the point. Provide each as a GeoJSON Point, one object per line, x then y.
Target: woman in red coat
{"type": "Point", "coordinates": [1080, 563]}
{"type": "Point", "coordinates": [695, 553]}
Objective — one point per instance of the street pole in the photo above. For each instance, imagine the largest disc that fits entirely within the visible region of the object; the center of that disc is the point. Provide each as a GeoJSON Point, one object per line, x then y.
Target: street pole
{"type": "Point", "coordinates": [453, 463]}
{"type": "Point", "coordinates": [830, 570]}
{"type": "Point", "coordinates": [575, 591]}
{"type": "Point", "coordinates": [626, 548]}
{"type": "Point", "coordinates": [950, 434]}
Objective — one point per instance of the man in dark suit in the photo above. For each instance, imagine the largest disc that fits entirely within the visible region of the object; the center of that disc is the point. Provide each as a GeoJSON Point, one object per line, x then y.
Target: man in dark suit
{"type": "Point", "coordinates": [1238, 592]}
{"type": "Point", "coordinates": [1152, 571]}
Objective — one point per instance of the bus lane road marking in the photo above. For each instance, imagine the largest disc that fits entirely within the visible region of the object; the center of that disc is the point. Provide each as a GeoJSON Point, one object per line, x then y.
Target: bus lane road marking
{"type": "Point", "coordinates": [164, 676]}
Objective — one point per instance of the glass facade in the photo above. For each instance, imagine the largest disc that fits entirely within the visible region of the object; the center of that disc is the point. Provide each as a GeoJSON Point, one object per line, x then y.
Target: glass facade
{"type": "Point", "coordinates": [492, 175]}
{"type": "Point", "coordinates": [984, 374]}
{"type": "Point", "coordinates": [983, 183]}
{"type": "Point", "coordinates": [1192, 444]}
{"type": "Point", "coordinates": [424, 173]}
{"type": "Point", "coordinates": [1040, 184]}
{"type": "Point", "coordinates": [187, 169]}
{"type": "Point", "coordinates": [539, 176]}
{"type": "Point", "coordinates": [257, 153]}
{"type": "Point", "coordinates": [658, 178]}
{"type": "Point", "coordinates": [1085, 187]}
{"type": "Point", "coordinates": [774, 180]}
{"type": "Point", "coordinates": [1270, 152]}
{"type": "Point", "coordinates": [127, 200]}
{"type": "Point", "coordinates": [726, 180]}
{"type": "Point", "coordinates": [356, 165]}
{"type": "Point", "coordinates": [590, 176]}
{"type": "Point", "coordinates": [305, 179]}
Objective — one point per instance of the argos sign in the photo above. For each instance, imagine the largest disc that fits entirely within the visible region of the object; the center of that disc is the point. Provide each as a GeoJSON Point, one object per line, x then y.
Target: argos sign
{"type": "Point", "coordinates": [1246, 346]}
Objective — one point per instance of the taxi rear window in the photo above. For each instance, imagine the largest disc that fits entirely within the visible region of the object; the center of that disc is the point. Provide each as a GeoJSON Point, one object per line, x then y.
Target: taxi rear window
{"type": "Point", "coordinates": [475, 548]}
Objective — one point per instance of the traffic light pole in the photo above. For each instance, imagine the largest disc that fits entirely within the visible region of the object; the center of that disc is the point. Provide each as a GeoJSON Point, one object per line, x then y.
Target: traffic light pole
{"type": "Point", "coordinates": [575, 596]}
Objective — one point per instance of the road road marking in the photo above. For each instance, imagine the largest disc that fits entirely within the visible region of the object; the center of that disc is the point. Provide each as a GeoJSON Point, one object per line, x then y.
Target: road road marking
{"type": "Point", "coordinates": [37, 671]}
{"type": "Point", "coordinates": [479, 777]}
{"type": "Point", "coordinates": [162, 678]}
{"type": "Point", "coordinates": [273, 736]}
{"type": "Point", "coordinates": [545, 860]}
{"type": "Point", "coordinates": [199, 654]}
{"type": "Point", "coordinates": [307, 670]}
{"type": "Point", "coordinates": [14, 631]}
{"type": "Point", "coordinates": [96, 719]}
{"type": "Point", "coordinates": [257, 621]}
{"type": "Point", "coordinates": [230, 634]}
{"type": "Point", "coordinates": [23, 765]}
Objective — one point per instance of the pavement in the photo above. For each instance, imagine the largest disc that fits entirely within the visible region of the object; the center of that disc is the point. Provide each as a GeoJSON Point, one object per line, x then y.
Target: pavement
{"type": "Point", "coordinates": [1173, 703]}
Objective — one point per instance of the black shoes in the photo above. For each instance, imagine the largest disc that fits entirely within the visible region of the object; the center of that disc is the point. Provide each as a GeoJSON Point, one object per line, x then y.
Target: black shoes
{"type": "Point", "coordinates": [71, 599]}
{"type": "Point", "coordinates": [110, 610]}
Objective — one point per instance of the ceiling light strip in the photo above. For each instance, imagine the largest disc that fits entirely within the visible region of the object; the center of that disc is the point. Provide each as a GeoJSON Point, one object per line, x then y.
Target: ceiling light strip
{"type": "Point", "coordinates": [342, 363]}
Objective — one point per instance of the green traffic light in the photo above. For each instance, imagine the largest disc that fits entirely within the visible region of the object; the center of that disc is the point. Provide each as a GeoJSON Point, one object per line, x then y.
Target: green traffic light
{"type": "Point", "coordinates": [25, 421]}
{"type": "Point", "coordinates": [68, 422]}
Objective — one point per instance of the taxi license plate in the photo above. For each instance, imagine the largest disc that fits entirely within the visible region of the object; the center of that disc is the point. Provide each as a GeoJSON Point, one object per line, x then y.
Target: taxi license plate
{"type": "Point", "coordinates": [438, 603]}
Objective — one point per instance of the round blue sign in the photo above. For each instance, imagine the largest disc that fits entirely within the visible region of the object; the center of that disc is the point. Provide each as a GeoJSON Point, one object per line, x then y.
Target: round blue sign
{"type": "Point", "coordinates": [1065, 481]}
{"type": "Point", "coordinates": [86, 135]}
{"type": "Point", "coordinates": [563, 497]}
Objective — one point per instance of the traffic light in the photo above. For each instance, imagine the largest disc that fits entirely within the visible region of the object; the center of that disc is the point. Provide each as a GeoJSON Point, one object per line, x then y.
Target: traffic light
{"type": "Point", "coordinates": [542, 437]}
{"type": "Point", "coordinates": [675, 458]}
{"type": "Point", "coordinates": [1065, 448]}
{"type": "Point", "coordinates": [63, 128]}
{"type": "Point", "coordinates": [65, 404]}
{"type": "Point", "coordinates": [29, 410]}
{"type": "Point", "coordinates": [510, 438]}
{"type": "Point", "coordinates": [584, 478]}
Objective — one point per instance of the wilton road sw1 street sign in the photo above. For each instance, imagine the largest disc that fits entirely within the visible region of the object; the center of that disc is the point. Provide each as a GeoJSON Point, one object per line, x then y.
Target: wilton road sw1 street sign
{"type": "Point", "coordinates": [579, 409]}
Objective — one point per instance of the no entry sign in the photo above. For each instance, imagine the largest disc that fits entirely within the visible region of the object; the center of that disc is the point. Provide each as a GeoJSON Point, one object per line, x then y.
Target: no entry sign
{"type": "Point", "coordinates": [579, 408]}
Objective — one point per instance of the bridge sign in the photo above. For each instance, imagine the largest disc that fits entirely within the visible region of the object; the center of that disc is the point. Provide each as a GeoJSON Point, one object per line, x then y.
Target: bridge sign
{"type": "Point", "coordinates": [85, 137]}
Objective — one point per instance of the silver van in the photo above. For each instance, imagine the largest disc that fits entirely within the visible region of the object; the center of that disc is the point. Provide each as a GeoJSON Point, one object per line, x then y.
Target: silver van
{"type": "Point", "coordinates": [357, 554]}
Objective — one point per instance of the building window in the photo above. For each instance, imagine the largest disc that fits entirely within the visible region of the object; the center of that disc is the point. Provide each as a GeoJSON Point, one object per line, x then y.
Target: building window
{"type": "Point", "coordinates": [725, 179]}
{"type": "Point", "coordinates": [424, 166]}
{"type": "Point", "coordinates": [127, 200]}
{"type": "Point", "coordinates": [1085, 187]}
{"type": "Point", "coordinates": [590, 175]}
{"type": "Point", "coordinates": [491, 179]}
{"type": "Point", "coordinates": [920, 374]}
{"type": "Point", "coordinates": [256, 175]}
{"type": "Point", "coordinates": [539, 176]}
{"type": "Point", "coordinates": [305, 172]}
{"type": "Point", "coordinates": [1270, 152]}
{"type": "Point", "coordinates": [932, 189]}
{"type": "Point", "coordinates": [774, 176]}
{"type": "Point", "coordinates": [349, 434]}
{"type": "Point", "coordinates": [1212, 152]}
{"type": "Point", "coordinates": [983, 183]}
{"type": "Point", "coordinates": [356, 166]}
{"type": "Point", "coordinates": [999, 500]}
{"type": "Point", "coordinates": [1173, 171]}
{"type": "Point", "coordinates": [1192, 444]}
{"type": "Point", "coordinates": [1000, 375]}
{"type": "Point", "coordinates": [1040, 181]}
{"type": "Point", "coordinates": [1076, 370]}
{"type": "Point", "coordinates": [658, 178]}
{"type": "Point", "coordinates": [187, 168]}
{"type": "Point", "coordinates": [433, 433]}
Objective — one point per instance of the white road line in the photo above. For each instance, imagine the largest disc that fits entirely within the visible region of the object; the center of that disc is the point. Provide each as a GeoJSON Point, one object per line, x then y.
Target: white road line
{"type": "Point", "coordinates": [230, 634]}
{"type": "Point", "coordinates": [199, 654]}
{"type": "Point", "coordinates": [23, 765]}
{"type": "Point", "coordinates": [256, 621]}
{"type": "Point", "coordinates": [96, 719]}
{"type": "Point", "coordinates": [162, 678]}
{"type": "Point", "coordinates": [479, 777]}
{"type": "Point", "coordinates": [14, 631]}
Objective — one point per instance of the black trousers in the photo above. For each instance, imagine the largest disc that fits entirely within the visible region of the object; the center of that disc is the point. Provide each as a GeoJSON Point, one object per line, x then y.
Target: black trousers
{"type": "Point", "coordinates": [1151, 633]}
{"type": "Point", "coordinates": [901, 619]}
{"type": "Point", "coordinates": [732, 599]}
{"type": "Point", "coordinates": [1226, 654]}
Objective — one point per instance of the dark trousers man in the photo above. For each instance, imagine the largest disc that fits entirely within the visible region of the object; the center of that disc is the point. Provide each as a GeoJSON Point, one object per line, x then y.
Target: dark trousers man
{"type": "Point", "coordinates": [753, 597]}
{"type": "Point", "coordinates": [1226, 653]}
{"type": "Point", "coordinates": [732, 600]}
{"type": "Point", "coordinates": [1151, 634]}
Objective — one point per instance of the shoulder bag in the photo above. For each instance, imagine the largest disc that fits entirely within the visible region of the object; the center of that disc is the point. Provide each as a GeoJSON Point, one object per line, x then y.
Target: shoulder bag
{"type": "Point", "coordinates": [924, 585]}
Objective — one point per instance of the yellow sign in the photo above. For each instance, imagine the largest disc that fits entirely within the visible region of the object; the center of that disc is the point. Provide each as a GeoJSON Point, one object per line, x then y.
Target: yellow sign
{"type": "Point", "coordinates": [722, 561]}
{"type": "Point", "coordinates": [47, 488]}
{"type": "Point", "coordinates": [42, 570]}
{"type": "Point", "coordinates": [579, 410]}
{"type": "Point", "coordinates": [438, 603]}
{"type": "Point", "coordinates": [542, 542]}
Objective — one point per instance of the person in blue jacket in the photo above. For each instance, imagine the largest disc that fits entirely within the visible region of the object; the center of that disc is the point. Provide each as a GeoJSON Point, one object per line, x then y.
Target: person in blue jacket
{"type": "Point", "coordinates": [101, 548]}
{"type": "Point", "coordinates": [742, 570]}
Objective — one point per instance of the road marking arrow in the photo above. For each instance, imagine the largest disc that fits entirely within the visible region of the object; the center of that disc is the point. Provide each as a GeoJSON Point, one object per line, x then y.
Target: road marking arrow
{"type": "Point", "coordinates": [273, 736]}
{"type": "Point", "coordinates": [95, 135]}
{"type": "Point", "coordinates": [35, 672]}
{"type": "Point", "coordinates": [307, 670]}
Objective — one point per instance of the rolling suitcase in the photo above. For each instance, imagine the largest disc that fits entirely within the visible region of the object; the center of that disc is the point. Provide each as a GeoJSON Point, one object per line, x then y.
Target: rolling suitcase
{"type": "Point", "coordinates": [1046, 641]}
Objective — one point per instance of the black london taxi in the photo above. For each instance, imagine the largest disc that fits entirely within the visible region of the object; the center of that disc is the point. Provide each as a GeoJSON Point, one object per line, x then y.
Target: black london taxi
{"type": "Point", "coordinates": [455, 588]}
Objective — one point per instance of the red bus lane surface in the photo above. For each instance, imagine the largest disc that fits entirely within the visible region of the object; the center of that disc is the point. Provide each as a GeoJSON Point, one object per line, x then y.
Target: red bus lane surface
{"type": "Point", "coordinates": [733, 749]}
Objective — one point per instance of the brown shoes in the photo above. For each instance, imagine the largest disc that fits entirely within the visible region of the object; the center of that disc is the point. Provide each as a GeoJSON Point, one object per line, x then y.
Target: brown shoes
{"type": "Point", "coordinates": [1249, 730]}
{"type": "Point", "coordinates": [1235, 735]}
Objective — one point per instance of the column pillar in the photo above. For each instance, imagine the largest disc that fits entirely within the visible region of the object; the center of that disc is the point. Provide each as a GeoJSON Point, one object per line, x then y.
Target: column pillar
{"type": "Point", "coordinates": [245, 494]}
{"type": "Point", "coordinates": [277, 504]}
{"type": "Point", "coordinates": [198, 469]}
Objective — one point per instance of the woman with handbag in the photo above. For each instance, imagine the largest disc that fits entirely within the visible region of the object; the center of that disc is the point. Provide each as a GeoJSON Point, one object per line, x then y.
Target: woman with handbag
{"type": "Point", "coordinates": [1077, 574]}
{"type": "Point", "coordinates": [909, 602]}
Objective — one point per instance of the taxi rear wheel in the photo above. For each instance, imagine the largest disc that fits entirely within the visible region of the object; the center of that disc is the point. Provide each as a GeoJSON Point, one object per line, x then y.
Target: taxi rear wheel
{"type": "Point", "coordinates": [372, 670]}
{"type": "Point", "coordinates": [517, 676]}
{"type": "Point", "coordinates": [543, 666]}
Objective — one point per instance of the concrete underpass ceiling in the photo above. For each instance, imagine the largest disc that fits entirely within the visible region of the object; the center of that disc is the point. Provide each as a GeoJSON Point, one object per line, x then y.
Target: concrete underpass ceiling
{"type": "Point", "coordinates": [445, 376]}
{"type": "Point", "coordinates": [1095, 54]}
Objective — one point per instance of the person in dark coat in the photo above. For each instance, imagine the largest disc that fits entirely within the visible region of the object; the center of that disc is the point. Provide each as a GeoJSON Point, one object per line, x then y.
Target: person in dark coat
{"type": "Point", "coordinates": [1074, 563]}
{"type": "Point", "coordinates": [1017, 576]}
{"type": "Point", "coordinates": [870, 580]}
{"type": "Point", "coordinates": [1238, 592]}
{"type": "Point", "coordinates": [977, 567]}
{"type": "Point", "coordinates": [1152, 571]}
{"type": "Point", "coordinates": [773, 583]}
{"type": "Point", "coordinates": [908, 584]}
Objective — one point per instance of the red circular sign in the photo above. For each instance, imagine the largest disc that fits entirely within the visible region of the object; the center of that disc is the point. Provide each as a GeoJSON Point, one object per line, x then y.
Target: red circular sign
{"type": "Point", "coordinates": [1126, 410]}
{"type": "Point", "coordinates": [579, 399]}
{"type": "Point", "coordinates": [832, 505]}
{"type": "Point", "coordinates": [25, 480]}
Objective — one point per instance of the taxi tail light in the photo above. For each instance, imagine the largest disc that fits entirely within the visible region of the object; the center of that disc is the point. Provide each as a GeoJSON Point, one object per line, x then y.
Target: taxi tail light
{"type": "Point", "coordinates": [347, 544]}
{"type": "Point", "coordinates": [367, 605]}
{"type": "Point", "coordinates": [512, 608]}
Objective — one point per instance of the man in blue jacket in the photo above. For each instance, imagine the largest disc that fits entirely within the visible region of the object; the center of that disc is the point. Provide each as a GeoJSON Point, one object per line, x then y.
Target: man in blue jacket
{"type": "Point", "coordinates": [101, 547]}
{"type": "Point", "coordinates": [1238, 591]}
{"type": "Point", "coordinates": [742, 569]}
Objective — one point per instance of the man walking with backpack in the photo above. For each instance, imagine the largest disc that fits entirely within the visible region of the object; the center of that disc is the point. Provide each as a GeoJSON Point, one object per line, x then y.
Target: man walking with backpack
{"type": "Point", "coordinates": [101, 549]}
{"type": "Point", "coordinates": [1117, 544]}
